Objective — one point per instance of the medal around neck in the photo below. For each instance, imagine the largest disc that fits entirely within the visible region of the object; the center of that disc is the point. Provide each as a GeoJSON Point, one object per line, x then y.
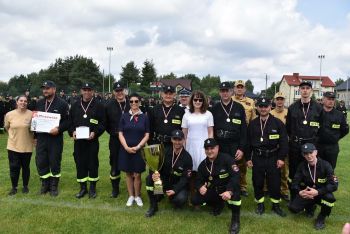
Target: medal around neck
{"type": "Point", "coordinates": [154, 155]}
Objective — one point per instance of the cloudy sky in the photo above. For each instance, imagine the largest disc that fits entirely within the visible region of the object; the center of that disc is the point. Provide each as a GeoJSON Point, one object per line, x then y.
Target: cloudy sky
{"type": "Point", "coordinates": [235, 39]}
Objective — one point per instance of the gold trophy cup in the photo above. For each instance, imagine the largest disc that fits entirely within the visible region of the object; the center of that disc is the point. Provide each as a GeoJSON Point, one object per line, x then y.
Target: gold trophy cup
{"type": "Point", "coordinates": [154, 155]}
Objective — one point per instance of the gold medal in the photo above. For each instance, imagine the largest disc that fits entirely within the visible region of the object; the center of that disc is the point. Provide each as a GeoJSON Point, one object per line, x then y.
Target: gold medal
{"type": "Point", "coordinates": [304, 122]}
{"type": "Point", "coordinates": [228, 120]}
{"type": "Point", "coordinates": [210, 178]}
{"type": "Point", "coordinates": [165, 121]}
{"type": "Point", "coordinates": [85, 116]}
{"type": "Point", "coordinates": [261, 139]}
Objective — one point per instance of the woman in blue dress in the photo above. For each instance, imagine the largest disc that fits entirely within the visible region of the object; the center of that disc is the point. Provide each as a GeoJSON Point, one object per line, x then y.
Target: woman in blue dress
{"type": "Point", "coordinates": [133, 135]}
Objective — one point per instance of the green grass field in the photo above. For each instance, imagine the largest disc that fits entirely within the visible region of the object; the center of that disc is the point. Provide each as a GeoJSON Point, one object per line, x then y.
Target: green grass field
{"type": "Point", "coordinates": [33, 213]}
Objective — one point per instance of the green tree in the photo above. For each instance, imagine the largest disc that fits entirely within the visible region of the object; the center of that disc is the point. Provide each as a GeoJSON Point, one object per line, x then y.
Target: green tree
{"type": "Point", "coordinates": [130, 74]}
{"type": "Point", "coordinates": [170, 76]}
{"type": "Point", "coordinates": [148, 75]}
{"type": "Point", "coordinates": [3, 88]}
{"type": "Point", "coordinates": [210, 83]}
{"type": "Point", "coordinates": [249, 86]}
{"type": "Point", "coordinates": [274, 88]}
{"type": "Point", "coordinates": [339, 81]}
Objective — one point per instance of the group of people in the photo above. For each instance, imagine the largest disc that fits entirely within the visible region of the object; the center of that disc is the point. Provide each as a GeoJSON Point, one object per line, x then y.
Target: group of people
{"type": "Point", "coordinates": [207, 150]}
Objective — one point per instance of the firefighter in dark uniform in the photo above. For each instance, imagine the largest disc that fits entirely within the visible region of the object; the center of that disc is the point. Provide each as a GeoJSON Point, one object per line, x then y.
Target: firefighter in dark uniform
{"type": "Point", "coordinates": [174, 174]}
{"type": "Point", "coordinates": [218, 181]}
{"type": "Point", "coordinates": [333, 128]}
{"type": "Point", "coordinates": [341, 107]}
{"type": "Point", "coordinates": [230, 127]}
{"type": "Point", "coordinates": [88, 112]}
{"type": "Point", "coordinates": [303, 122]}
{"type": "Point", "coordinates": [49, 146]}
{"type": "Point", "coordinates": [74, 98]}
{"type": "Point", "coordinates": [314, 183]}
{"type": "Point", "coordinates": [114, 110]}
{"type": "Point", "coordinates": [165, 118]}
{"type": "Point", "coordinates": [2, 114]}
{"type": "Point", "coordinates": [184, 95]}
{"type": "Point", "coordinates": [31, 102]}
{"type": "Point", "coordinates": [267, 149]}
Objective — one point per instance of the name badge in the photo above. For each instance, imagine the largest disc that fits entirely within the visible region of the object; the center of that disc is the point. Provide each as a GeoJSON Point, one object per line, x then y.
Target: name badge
{"type": "Point", "coordinates": [321, 180]}
{"type": "Point", "coordinates": [236, 121]}
{"type": "Point", "coordinates": [314, 124]}
{"type": "Point", "coordinates": [176, 121]}
{"type": "Point", "coordinates": [335, 125]}
{"type": "Point", "coordinates": [94, 121]}
{"type": "Point", "coordinates": [274, 136]}
{"type": "Point", "coordinates": [223, 176]}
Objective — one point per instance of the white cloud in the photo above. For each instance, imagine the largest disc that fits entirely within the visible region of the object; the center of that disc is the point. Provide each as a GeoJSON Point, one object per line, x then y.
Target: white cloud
{"type": "Point", "coordinates": [234, 39]}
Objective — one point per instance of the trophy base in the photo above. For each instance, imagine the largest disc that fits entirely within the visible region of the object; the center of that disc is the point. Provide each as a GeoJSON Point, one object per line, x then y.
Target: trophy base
{"type": "Point", "coordinates": [158, 190]}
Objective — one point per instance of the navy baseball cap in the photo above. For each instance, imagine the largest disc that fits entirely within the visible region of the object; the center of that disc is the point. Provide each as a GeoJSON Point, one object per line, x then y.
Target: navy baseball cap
{"type": "Point", "coordinates": [308, 148]}
{"type": "Point", "coordinates": [305, 82]}
{"type": "Point", "coordinates": [225, 85]}
{"type": "Point", "coordinates": [117, 86]}
{"type": "Point", "coordinates": [48, 84]}
{"type": "Point", "coordinates": [168, 88]}
{"type": "Point", "coordinates": [177, 134]}
{"type": "Point", "coordinates": [263, 101]}
{"type": "Point", "coordinates": [210, 142]}
{"type": "Point", "coordinates": [329, 94]}
{"type": "Point", "coordinates": [184, 92]}
{"type": "Point", "coordinates": [87, 86]}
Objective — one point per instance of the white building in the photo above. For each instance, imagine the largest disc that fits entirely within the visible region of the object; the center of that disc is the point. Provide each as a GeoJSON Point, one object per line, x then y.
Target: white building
{"type": "Point", "coordinates": [343, 93]}
{"type": "Point", "coordinates": [290, 86]}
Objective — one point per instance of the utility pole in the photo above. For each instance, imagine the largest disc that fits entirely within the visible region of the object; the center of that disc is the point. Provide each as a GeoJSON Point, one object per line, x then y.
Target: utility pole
{"type": "Point", "coordinates": [321, 57]}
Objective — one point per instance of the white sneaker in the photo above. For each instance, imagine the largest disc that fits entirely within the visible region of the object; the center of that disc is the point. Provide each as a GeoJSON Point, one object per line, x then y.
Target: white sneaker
{"type": "Point", "coordinates": [138, 201]}
{"type": "Point", "coordinates": [130, 201]}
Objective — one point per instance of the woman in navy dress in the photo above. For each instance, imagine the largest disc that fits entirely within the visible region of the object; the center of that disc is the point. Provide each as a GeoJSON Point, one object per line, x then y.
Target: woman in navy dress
{"type": "Point", "coordinates": [133, 135]}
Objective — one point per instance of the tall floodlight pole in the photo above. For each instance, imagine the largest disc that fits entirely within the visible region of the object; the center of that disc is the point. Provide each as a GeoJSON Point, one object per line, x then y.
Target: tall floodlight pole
{"type": "Point", "coordinates": [321, 57]}
{"type": "Point", "coordinates": [347, 92]}
{"type": "Point", "coordinates": [109, 48]}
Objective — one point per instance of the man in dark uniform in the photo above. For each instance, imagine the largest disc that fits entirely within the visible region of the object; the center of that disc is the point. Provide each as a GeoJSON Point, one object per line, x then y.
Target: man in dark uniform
{"type": "Point", "coordinates": [184, 95]}
{"type": "Point", "coordinates": [165, 118]}
{"type": "Point", "coordinates": [218, 181]}
{"type": "Point", "coordinates": [87, 113]}
{"type": "Point", "coordinates": [314, 183]}
{"type": "Point", "coordinates": [341, 107]}
{"type": "Point", "coordinates": [74, 98]}
{"type": "Point", "coordinates": [174, 174]}
{"type": "Point", "coordinates": [2, 113]}
{"type": "Point", "coordinates": [230, 127]}
{"type": "Point", "coordinates": [31, 102]}
{"type": "Point", "coordinates": [63, 96]}
{"type": "Point", "coordinates": [50, 145]}
{"type": "Point", "coordinates": [303, 122]}
{"type": "Point", "coordinates": [10, 103]}
{"type": "Point", "coordinates": [333, 128]}
{"type": "Point", "coordinates": [114, 110]}
{"type": "Point", "coordinates": [267, 149]}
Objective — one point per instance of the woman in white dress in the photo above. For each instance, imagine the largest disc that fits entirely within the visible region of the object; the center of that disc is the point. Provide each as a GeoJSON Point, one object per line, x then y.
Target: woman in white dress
{"type": "Point", "coordinates": [197, 125]}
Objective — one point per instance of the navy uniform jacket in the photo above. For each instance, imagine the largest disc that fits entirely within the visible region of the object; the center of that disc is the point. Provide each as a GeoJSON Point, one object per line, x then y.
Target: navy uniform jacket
{"type": "Point", "coordinates": [333, 127]}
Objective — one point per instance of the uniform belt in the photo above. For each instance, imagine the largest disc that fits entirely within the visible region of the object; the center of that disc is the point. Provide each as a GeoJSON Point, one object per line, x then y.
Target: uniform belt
{"type": "Point", "coordinates": [301, 140]}
{"type": "Point", "coordinates": [222, 134]}
{"type": "Point", "coordinates": [265, 153]}
{"type": "Point", "coordinates": [218, 189]}
{"type": "Point", "coordinates": [163, 138]}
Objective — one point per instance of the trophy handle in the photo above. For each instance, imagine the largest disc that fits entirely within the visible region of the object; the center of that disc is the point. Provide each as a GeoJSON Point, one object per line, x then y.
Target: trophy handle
{"type": "Point", "coordinates": [162, 146]}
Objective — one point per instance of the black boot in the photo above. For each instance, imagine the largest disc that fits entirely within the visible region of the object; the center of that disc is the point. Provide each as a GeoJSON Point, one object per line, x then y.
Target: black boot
{"type": "Point", "coordinates": [25, 189]}
{"type": "Point", "coordinates": [320, 222]}
{"type": "Point", "coordinates": [310, 211]}
{"type": "Point", "coordinates": [54, 186]}
{"type": "Point", "coordinates": [13, 191]}
{"type": "Point", "coordinates": [153, 205]}
{"type": "Point", "coordinates": [45, 186]}
{"type": "Point", "coordinates": [277, 209]}
{"type": "Point", "coordinates": [92, 191]}
{"type": "Point", "coordinates": [83, 190]}
{"type": "Point", "coordinates": [217, 209]}
{"type": "Point", "coordinates": [115, 188]}
{"type": "Point", "coordinates": [235, 220]}
{"type": "Point", "coordinates": [260, 209]}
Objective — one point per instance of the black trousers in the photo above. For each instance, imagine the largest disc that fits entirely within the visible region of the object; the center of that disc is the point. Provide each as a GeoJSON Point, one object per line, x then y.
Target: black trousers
{"type": "Point", "coordinates": [178, 199]}
{"type": "Point", "coordinates": [18, 161]}
{"type": "Point", "coordinates": [49, 155]}
{"type": "Point", "coordinates": [266, 168]}
{"type": "Point", "coordinates": [295, 158]}
{"type": "Point", "coordinates": [212, 198]}
{"type": "Point", "coordinates": [86, 159]}
{"type": "Point", "coordinates": [114, 146]}
{"type": "Point", "coordinates": [329, 152]}
{"type": "Point", "coordinates": [326, 202]}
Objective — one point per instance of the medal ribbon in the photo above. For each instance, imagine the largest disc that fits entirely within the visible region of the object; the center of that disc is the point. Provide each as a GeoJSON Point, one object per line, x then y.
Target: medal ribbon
{"type": "Point", "coordinates": [312, 178]}
{"type": "Point", "coordinates": [122, 109]}
{"type": "Point", "coordinates": [211, 168]}
{"type": "Point", "coordinates": [85, 110]}
{"type": "Point", "coordinates": [262, 128]}
{"type": "Point", "coordinates": [47, 108]}
{"type": "Point", "coordinates": [307, 111]}
{"type": "Point", "coordinates": [166, 114]}
{"type": "Point", "coordinates": [172, 160]}
{"type": "Point", "coordinates": [227, 113]}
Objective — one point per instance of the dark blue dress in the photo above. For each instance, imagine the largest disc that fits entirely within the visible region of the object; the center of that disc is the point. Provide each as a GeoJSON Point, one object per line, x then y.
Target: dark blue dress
{"type": "Point", "coordinates": [133, 131]}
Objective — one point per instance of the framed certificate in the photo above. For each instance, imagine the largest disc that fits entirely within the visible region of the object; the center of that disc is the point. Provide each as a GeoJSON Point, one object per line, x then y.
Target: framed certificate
{"type": "Point", "coordinates": [44, 121]}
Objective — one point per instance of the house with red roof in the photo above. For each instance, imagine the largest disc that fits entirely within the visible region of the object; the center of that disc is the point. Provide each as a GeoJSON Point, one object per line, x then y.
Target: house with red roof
{"type": "Point", "coordinates": [290, 86]}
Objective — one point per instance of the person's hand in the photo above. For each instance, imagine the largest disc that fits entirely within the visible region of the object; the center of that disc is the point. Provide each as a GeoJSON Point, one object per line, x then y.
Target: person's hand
{"type": "Point", "coordinates": [311, 192]}
{"type": "Point", "coordinates": [155, 176]}
{"type": "Point", "coordinates": [92, 135]}
{"type": "Point", "coordinates": [280, 164]}
{"type": "Point", "coordinates": [54, 131]}
{"type": "Point", "coordinates": [250, 164]}
{"type": "Point", "coordinates": [239, 155]}
{"type": "Point", "coordinates": [225, 195]}
{"type": "Point", "coordinates": [170, 193]}
{"type": "Point", "coordinates": [203, 189]}
{"type": "Point", "coordinates": [74, 135]}
{"type": "Point", "coordinates": [130, 150]}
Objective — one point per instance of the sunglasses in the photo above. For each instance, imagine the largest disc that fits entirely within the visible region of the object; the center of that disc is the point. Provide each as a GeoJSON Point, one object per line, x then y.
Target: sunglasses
{"type": "Point", "coordinates": [197, 99]}
{"type": "Point", "coordinates": [134, 101]}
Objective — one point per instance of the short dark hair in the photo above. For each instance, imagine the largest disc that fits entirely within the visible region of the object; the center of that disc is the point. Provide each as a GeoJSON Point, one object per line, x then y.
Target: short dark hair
{"type": "Point", "coordinates": [199, 94]}
{"type": "Point", "coordinates": [135, 95]}
{"type": "Point", "coordinates": [18, 97]}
